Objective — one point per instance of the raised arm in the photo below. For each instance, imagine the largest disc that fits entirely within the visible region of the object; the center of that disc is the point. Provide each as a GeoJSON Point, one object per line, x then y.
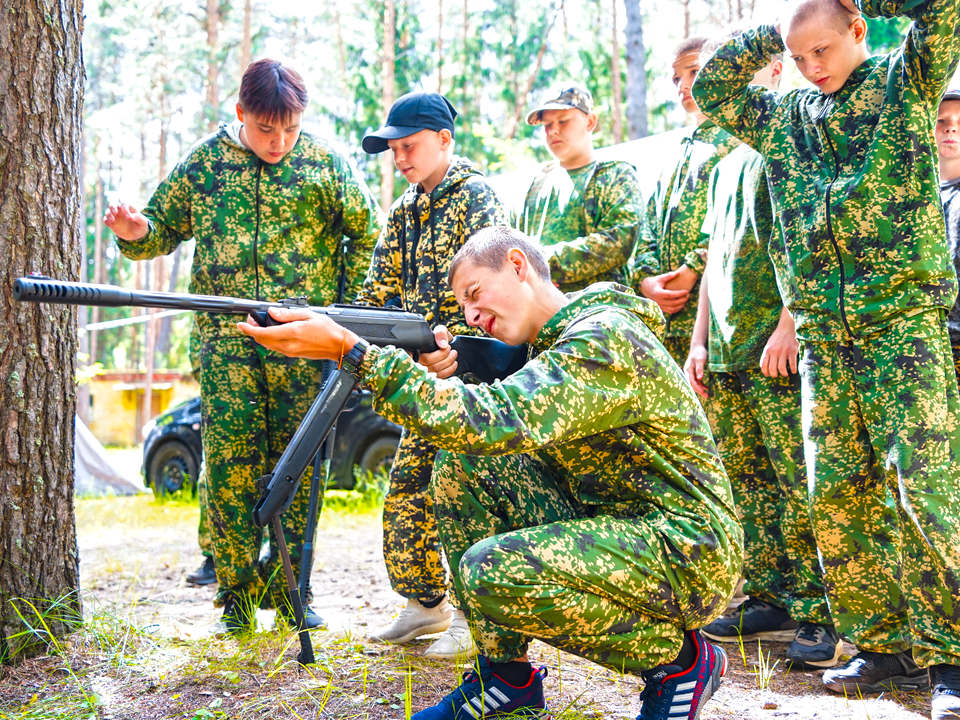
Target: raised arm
{"type": "Point", "coordinates": [167, 219]}
{"type": "Point", "coordinates": [931, 48]}
{"type": "Point", "coordinates": [614, 214]}
{"type": "Point", "coordinates": [723, 90]}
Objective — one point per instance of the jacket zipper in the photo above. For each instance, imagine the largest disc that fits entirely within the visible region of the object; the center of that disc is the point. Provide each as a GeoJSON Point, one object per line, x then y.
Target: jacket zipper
{"type": "Point", "coordinates": [256, 232]}
{"type": "Point", "coordinates": [821, 118]}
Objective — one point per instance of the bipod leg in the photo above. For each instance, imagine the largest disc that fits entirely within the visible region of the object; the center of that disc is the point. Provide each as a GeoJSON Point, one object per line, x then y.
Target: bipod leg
{"type": "Point", "coordinates": [316, 484]}
{"type": "Point", "coordinates": [306, 645]}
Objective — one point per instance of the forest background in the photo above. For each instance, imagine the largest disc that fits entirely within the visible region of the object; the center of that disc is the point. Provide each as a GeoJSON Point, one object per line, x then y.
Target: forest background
{"type": "Point", "coordinates": [161, 74]}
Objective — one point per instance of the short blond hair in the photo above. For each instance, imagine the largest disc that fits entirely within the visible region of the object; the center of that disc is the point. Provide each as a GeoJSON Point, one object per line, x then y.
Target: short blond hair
{"type": "Point", "coordinates": [825, 12]}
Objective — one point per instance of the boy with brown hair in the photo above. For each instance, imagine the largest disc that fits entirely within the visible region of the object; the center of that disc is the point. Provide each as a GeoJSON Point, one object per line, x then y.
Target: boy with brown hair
{"type": "Point", "coordinates": [867, 275]}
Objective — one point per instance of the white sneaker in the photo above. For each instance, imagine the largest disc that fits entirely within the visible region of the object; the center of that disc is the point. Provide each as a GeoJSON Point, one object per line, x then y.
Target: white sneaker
{"type": "Point", "coordinates": [456, 643]}
{"type": "Point", "coordinates": [415, 620]}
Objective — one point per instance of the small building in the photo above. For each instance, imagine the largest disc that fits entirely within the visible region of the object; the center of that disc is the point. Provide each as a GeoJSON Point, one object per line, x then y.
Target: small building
{"type": "Point", "coordinates": [117, 405]}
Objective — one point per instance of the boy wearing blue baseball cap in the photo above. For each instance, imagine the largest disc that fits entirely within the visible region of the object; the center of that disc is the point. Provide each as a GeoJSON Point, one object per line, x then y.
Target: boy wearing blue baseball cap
{"type": "Point", "coordinates": [447, 201]}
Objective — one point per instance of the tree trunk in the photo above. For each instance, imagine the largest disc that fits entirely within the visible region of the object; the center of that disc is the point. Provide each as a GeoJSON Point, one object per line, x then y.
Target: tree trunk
{"type": "Point", "coordinates": [41, 111]}
{"type": "Point", "coordinates": [163, 339]}
{"type": "Point", "coordinates": [212, 109]}
{"type": "Point", "coordinates": [246, 42]}
{"type": "Point", "coordinates": [636, 73]}
{"type": "Point", "coordinates": [616, 89]}
{"type": "Point", "coordinates": [686, 18]}
{"type": "Point", "coordinates": [520, 95]}
{"type": "Point", "coordinates": [389, 95]}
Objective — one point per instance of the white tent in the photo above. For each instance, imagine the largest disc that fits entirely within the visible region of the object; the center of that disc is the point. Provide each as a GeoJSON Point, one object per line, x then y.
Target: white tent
{"type": "Point", "coordinates": [95, 473]}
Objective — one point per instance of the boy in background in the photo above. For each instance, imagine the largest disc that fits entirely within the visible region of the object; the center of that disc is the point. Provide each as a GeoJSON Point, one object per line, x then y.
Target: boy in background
{"type": "Point", "coordinates": [585, 213]}
{"type": "Point", "coordinates": [947, 136]}
{"type": "Point", "coordinates": [669, 260]}
{"type": "Point", "coordinates": [448, 201]}
{"type": "Point", "coordinates": [866, 273]}
{"type": "Point", "coordinates": [746, 340]}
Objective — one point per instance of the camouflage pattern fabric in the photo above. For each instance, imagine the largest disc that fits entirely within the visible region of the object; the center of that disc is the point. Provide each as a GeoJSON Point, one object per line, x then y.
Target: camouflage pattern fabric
{"type": "Point", "coordinates": [411, 545]}
{"type": "Point", "coordinates": [745, 303]}
{"type": "Point", "coordinates": [254, 400]}
{"type": "Point", "coordinates": [586, 220]}
{"type": "Point", "coordinates": [672, 233]}
{"type": "Point", "coordinates": [881, 418]}
{"type": "Point", "coordinates": [624, 443]}
{"type": "Point", "coordinates": [757, 426]}
{"type": "Point", "coordinates": [679, 348]}
{"type": "Point", "coordinates": [950, 198]}
{"type": "Point", "coordinates": [409, 270]}
{"type": "Point", "coordinates": [300, 227]}
{"type": "Point", "coordinates": [853, 175]}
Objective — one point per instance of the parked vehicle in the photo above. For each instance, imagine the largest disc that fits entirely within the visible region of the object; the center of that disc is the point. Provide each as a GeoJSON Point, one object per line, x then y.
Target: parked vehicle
{"type": "Point", "coordinates": [172, 450]}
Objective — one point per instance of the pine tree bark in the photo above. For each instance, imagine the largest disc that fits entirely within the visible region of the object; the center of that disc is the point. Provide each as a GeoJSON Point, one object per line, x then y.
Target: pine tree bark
{"type": "Point", "coordinates": [246, 41]}
{"type": "Point", "coordinates": [616, 89]}
{"type": "Point", "coordinates": [637, 116]}
{"type": "Point", "coordinates": [41, 71]}
{"type": "Point", "coordinates": [212, 108]}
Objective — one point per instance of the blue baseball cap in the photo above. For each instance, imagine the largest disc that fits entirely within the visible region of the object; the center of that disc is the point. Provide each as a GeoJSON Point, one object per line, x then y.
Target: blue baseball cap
{"type": "Point", "coordinates": [410, 114]}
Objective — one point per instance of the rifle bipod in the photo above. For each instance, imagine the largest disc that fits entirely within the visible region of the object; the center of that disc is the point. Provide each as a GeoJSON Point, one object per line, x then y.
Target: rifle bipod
{"type": "Point", "coordinates": [279, 488]}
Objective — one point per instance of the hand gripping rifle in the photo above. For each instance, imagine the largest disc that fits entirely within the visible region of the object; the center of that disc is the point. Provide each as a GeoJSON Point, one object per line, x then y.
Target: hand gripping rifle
{"type": "Point", "coordinates": [482, 359]}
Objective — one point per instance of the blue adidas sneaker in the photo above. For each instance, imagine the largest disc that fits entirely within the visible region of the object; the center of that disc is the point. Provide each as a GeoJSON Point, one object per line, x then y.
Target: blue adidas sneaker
{"type": "Point", "coordinates": [484, 694]}
{"type": "Point", "coordinates": [672, 693]}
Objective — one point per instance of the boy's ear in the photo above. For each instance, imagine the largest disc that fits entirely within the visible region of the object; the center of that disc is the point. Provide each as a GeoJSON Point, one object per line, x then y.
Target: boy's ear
{"type": "Point", "coordinates": [239, 113]}
{"type": "Point", "coordinates": [518, 262]}
{"type": "Point", "coordinates": [859, 29]}
{"type": "Point", "coordinates": [592, 121]}
{"type": "Point", "coordinates": [446, 138]}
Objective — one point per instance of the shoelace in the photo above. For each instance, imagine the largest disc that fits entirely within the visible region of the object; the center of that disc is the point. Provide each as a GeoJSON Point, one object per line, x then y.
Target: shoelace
{"type": "Point", "coordinates": [810, 633]}
{"type": "Point", "coordinates": [659, 703]}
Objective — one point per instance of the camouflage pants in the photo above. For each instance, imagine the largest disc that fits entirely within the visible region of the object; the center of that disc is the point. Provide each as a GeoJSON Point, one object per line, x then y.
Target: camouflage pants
{"type": "Point", "coordinates": [757, 425]}
{"type": "Point", "coordinates": [881, 420]}
{"type": "Point", "coordinates": [204, 535]}
{"type": "Point", "coordinates": [679, 348]}
{"type": "Point", "coordinates": [411, 546]}
{"type": "Point", "coordinates": [528, 561]}
{"type": "Point", "coordinates": [253, 401]}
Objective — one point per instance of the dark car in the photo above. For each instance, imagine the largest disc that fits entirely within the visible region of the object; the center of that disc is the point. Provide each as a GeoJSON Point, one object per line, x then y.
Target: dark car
{"type": "Point", "coordinates": [172, 450]}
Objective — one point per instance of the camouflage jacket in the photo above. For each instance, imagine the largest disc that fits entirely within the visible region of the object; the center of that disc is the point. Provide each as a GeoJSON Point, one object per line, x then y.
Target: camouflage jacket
{"type": "Point", "coordinates": [602, 405]}
{"type": "Point", "coordinates": [672, 234]}
{"type": "Point", "coordinates": [587, 221]}
{"type": "Point", "coordinates": [422, 234]}
{"type": "Point", "coordinates": [299, 227]}
{"type": "Point", "coordinates": [854, 174]}
{"type": "Point", "coordinates": [745, 304]}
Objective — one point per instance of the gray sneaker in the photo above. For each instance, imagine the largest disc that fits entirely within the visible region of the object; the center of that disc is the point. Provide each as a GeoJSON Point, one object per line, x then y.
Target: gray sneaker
{"type": "Point", "coordinates": [754, 620]}
{"type": "Point", "coordinates": [815, 647]}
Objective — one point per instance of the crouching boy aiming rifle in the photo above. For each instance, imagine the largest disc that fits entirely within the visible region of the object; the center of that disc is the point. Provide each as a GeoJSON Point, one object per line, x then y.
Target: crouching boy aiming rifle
{"type": "Point", "coordinates": [580, 501]}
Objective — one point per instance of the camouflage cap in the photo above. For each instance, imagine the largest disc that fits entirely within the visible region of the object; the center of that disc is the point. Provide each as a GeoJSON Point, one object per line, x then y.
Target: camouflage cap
{"type": "Point", "coordinates": [562, 96]}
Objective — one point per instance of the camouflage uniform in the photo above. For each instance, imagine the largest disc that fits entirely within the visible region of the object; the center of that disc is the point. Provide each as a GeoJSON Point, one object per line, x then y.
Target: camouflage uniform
{"type": "Point", "coordinates": [409, 271]}
{"type": "Point", "coordinates": [270, 231]}
{"type": "Point", "coordinates": [672, 233]}
{"type": "Point", "coordinates": [867, 274]}
{"type": "Point", "coordinates": [591, 510]}
{"type": "Point", "coordinates": [586, 220]}
{"type": "Point", "coordinates": [756, 419]}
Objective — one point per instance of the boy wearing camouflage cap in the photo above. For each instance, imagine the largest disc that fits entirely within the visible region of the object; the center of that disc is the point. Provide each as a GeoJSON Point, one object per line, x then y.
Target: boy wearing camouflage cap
{"type": "Point", "coordinates": [866, 273]}
{"type": "Point", "coordinates": [447, 201]}
{"type": "Point", "coordinates": [580, 501]}
{"type": "Point", "coordinates": [585, 213]}
{"type": "Point", "coordinates": [743, 357]}
{"type": "Point", "coordinates": [275, 212]}
{"type": "Point", "coordinates": [668, 261]}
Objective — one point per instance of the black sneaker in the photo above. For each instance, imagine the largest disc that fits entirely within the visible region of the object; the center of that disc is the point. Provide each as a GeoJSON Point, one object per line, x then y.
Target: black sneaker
{"type": "Point", "coordinates": [871, 672]}
{"type": "Point", "coordinates": [239, 616]}
{"type": "Point", "coordinates": [754, 620]}
{"type": "Point", "coordinates": [314, 621]}
{"type": "Point", "coordinates": [946, 692]}
{"type": "Point", "coordinates": [672, 693]}
{"type": "Point", "coordinates": [815, 646]}
{"type": "Point", "coordinates": [206, 574]}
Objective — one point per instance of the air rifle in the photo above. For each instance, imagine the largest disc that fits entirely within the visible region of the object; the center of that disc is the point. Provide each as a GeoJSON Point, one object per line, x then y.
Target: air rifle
{"type": "Point", "coordinates": [481, 359]}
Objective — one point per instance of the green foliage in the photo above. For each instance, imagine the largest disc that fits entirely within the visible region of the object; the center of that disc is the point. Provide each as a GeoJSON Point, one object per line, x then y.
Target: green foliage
{"type": "Point", "coordinates": [886, 34]}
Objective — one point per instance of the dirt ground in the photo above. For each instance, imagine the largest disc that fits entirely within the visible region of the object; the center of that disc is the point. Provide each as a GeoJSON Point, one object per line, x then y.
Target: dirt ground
{"type": "Point", "coordinates": [138, 570]}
